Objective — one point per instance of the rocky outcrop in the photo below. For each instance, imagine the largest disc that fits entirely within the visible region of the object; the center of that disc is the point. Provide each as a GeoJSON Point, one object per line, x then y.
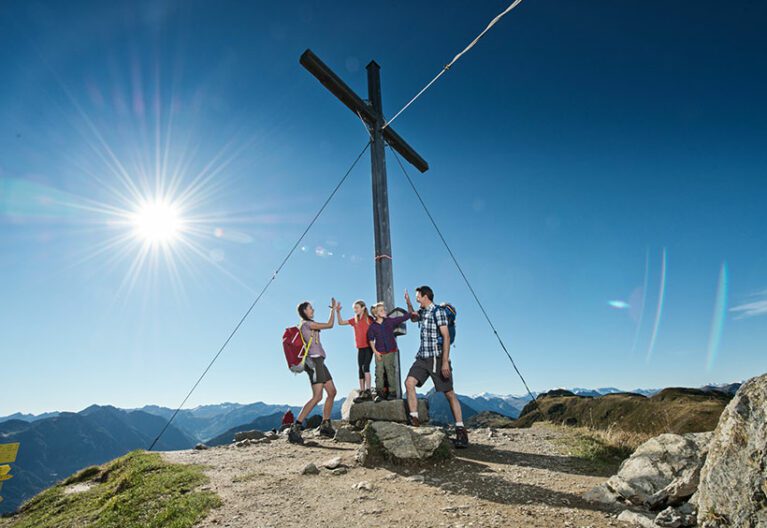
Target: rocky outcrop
{"type": "Point", "coordinates": [386, 411]}
{"type": "Point", "coordinates": [248, 435]}
{"type": "Point", "coordinates": [733, 487]}
{"type": "Point", "coordinates": [663, 471]}
{"type": "Point", "coordinates": [387, 442]}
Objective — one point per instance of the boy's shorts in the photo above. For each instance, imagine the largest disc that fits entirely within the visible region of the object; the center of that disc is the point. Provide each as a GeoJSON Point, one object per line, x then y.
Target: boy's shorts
{"type": "Point", "coordinates": [424, 369]}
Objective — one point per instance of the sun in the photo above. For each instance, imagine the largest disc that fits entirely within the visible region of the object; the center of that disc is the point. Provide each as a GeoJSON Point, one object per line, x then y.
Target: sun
{"type": "Point", "coordinates": [157, 222]}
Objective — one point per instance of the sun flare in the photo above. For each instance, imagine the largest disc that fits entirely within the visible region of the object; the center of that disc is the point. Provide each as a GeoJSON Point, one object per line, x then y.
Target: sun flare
{"type": "Point", "coordinates": [157, 222]}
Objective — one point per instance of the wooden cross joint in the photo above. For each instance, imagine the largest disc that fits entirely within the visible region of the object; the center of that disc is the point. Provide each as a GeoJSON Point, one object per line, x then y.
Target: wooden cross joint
{"type": "Point", "coordinates": [363, 108]}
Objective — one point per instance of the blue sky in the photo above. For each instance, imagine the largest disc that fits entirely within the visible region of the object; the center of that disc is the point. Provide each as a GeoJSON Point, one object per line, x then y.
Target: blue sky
{"type": "Point", "coordinates": [570, 150]}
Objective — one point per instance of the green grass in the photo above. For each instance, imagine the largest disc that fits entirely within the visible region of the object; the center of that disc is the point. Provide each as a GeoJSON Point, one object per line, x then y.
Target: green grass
{"type": "Point", "coordinates": [138, 490]}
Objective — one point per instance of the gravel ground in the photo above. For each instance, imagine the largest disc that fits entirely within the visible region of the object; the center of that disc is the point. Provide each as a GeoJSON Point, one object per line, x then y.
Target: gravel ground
{"type": "Point", "coordinates": [512, 478]}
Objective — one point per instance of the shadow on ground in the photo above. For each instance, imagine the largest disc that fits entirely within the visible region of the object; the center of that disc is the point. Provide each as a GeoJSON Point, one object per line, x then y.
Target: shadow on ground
{"type": "Point", "coordinates": [558, 463]}
{"type": "Point", "coordinates": [477, 480]}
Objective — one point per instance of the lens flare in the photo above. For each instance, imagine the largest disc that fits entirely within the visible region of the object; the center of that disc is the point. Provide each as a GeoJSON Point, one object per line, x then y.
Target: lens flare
{"type": "Point", "coordinates": [619, 305]}
{"type": "Point", "coordinates": [717, 323]}
{"type": "Point", "coordinates": [642, 304]}
{"type": "Point", "coordinates": [659, 309]}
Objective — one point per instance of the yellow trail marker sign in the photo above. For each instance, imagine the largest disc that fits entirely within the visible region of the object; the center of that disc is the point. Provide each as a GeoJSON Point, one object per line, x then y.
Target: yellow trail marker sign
{"type": "Point", "coordinates": [8, 454]}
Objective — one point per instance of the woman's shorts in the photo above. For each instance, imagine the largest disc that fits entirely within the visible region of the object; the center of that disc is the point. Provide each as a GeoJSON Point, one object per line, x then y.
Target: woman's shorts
{"type": "Point", "coordinates": [317, 371]}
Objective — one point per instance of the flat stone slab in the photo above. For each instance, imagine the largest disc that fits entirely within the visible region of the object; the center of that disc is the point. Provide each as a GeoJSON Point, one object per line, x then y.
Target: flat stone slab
{"type": "Point", "coordinates": [387, 411]}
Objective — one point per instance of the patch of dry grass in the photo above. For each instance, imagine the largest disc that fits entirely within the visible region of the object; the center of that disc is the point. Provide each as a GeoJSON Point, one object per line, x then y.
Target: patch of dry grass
{"type": "Point", "coordinates": [602, 449]}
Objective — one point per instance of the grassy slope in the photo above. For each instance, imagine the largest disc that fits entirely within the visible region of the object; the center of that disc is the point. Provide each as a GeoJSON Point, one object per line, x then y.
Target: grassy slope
{"type": "Point", "coordinates": [671, 410]}
{"type": "Point", "coordinates": [136, 490]}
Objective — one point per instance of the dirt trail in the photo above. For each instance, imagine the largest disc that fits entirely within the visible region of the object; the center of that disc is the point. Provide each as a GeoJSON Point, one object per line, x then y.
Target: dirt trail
{"type": "Point", "coordinates": [515, 478]}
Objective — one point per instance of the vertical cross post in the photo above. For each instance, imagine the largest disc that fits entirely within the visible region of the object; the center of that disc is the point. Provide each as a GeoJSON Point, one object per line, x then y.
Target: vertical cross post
{"type": "Point", "coordinates": [383, 256]}
{"type": "Point", "coordinates": [371, 112]}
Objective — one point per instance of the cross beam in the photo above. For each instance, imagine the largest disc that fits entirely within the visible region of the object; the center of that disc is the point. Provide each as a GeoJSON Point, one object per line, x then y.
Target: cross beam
{"type": "Point", "coordinates": [371, 112]}
{"type": "Point", "coordinates": [353, 102]}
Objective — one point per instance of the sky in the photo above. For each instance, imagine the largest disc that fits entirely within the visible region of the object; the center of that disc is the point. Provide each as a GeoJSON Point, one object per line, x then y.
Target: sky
{"type": "Point", "coordinates": [597, 167]}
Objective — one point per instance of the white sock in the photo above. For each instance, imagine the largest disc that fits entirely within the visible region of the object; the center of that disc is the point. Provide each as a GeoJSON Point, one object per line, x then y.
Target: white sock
{"type": "Point", "coordinates": [459, 424]}
{"type": "Point", "coordinates": [414, 414]}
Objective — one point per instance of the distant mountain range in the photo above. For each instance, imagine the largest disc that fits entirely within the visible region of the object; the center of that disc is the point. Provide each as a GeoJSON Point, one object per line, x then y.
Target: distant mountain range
{"type": "Point", "coordinates": [29, 417]}
{"type": "Point", "coordinates": [56, 444]}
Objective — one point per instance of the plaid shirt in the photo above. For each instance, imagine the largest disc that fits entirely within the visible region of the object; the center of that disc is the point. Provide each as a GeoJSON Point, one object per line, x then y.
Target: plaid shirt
{"type": "Point", "coordinates": [430, 319]}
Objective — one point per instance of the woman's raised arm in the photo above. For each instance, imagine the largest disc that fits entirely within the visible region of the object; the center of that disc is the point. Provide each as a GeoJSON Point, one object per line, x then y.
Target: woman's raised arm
{"type": "Point", "coordinates": [331, 320]}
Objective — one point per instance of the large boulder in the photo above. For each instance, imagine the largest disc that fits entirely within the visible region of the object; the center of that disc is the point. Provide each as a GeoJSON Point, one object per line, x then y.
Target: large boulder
{"type": "Point", "coordinates": [386, 411]}
{"type": "Point", "coordinates": [663, 471]}
{"type": "Point", "coordinates": [733, 486]}
{"type": "Point", "coordinates": [401, 444]}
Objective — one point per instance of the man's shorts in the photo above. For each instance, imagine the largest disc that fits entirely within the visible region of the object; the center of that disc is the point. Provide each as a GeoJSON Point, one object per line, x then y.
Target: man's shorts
{"type": "Point", "coordinates": [317, 371]}
{"type": "Point", "coordinates": [424, 369]}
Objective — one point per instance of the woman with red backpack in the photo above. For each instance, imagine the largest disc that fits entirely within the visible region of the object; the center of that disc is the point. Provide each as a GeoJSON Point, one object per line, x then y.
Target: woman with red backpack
{"type": "Point", "coordinates": [360, 322]}
{"type": "Point", "coordinates": [319, 375]}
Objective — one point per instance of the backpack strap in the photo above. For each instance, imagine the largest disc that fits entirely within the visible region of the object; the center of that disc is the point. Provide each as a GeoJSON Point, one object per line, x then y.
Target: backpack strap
{"type": "Point", "coordinates": [308, 345]}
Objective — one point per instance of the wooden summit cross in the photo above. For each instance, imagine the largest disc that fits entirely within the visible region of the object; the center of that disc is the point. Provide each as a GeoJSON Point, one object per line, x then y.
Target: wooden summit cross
{"type": "Point", "coordinates": [371, 112]}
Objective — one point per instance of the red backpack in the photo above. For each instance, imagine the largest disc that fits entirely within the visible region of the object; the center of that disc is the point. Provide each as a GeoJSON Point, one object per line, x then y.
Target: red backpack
{"type": "Point", "coordinates": [296, 349]}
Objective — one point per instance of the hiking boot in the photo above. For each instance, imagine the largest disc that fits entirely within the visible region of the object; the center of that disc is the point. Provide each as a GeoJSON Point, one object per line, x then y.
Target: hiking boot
{"type": "Point", "coordinates": [379, 398]}
{"type": "Point", "coordinates": [415, 422]}
{"type": "Point", "coordinates": [294, 434]}
{"type": "Point", "coordinates": [365, 395]}
{"type": "Point", "coordinates": [461, 438]}
{"type": "Point", "coordinates": [326, 429]}
{"type": "Point", "coordinates": [391, 396]}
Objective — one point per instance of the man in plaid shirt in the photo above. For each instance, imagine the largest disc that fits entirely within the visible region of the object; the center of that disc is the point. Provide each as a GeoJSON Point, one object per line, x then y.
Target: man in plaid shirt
{"type": "Point", "coordinates": [433, 359]}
